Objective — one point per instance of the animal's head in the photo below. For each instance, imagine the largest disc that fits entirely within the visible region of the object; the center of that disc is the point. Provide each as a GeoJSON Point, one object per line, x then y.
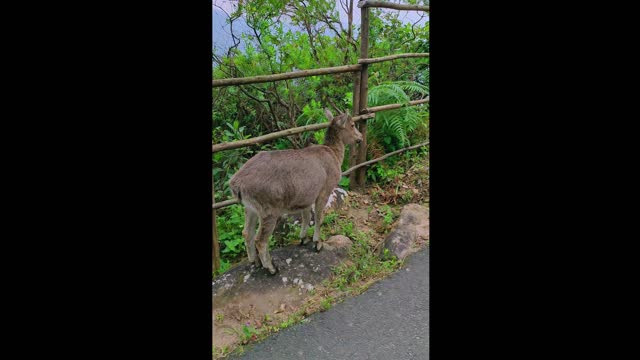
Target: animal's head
{"type": "Point", "coordinates": [345, 127]}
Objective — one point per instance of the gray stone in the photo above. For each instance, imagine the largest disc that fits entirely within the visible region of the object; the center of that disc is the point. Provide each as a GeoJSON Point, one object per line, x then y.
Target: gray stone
{"type": "Point", "coordinates": [338, 241]}
{"type": "Point", "coordinates": [410, 232]}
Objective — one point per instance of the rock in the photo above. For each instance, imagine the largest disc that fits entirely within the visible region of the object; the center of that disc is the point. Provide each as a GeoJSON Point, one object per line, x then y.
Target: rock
{"type": "Point", "coordinates": [411, 229]}
{"type": "Point", "coordinates": [338, 241]}
{"type": "Point", "coordinates": [336, 199]}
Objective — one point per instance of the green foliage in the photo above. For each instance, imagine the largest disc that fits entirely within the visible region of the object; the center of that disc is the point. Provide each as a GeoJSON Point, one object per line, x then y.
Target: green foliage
{"type": "Point", "coordinates": [312, 113]}
{"type": "Point", "coordinates": [383, 172]}
{"type": "Point", "coordinates": [224, 266]}
{"type": "Point", "coordinates": [388, 216]}
{"type": "Point", "coordinates": [219, 317]}
{"type": "Point", "coordinates": [226, 163]}
{"type": "Point", "coordinates": [230, 224]}
{"type": "Point", "coordinates": [326, 303]}
{"type": "Point", "coordinates": [344, 182]}
{"type": "Point", "coordinates": [347, 229]}
{"type": "Point", "coordinates": [247, 333]}
{"type": "Point", "coordinates": [330, 218]}
{"type": "Point", "coordinates": [392, 128]}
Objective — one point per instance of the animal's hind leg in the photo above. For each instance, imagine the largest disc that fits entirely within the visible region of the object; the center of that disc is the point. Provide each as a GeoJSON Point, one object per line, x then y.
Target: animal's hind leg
{"type": "Point", "coordinates": [306, 217]}
{"type": "Point", "coordinates": [249, 233]}
{"type": "Point", "coordinates": [267, 224]}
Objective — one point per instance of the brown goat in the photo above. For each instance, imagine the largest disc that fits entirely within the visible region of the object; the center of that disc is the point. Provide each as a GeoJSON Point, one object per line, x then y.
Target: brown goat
{"type": "Point", "coordinates": [274, 183]}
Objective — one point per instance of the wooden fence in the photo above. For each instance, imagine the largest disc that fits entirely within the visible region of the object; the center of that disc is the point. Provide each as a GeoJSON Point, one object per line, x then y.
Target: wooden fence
{"type": "Point", "coordinates": [360, 111]}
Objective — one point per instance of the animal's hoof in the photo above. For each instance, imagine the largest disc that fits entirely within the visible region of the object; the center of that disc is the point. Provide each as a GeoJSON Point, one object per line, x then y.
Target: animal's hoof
{"type": "Point", "coordinates": [318, 246]}
{"type": "Point", "coordinates": [275, 271]}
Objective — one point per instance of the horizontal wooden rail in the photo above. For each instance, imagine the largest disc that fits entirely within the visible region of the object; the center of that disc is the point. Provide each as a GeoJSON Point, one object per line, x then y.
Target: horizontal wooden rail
{"type": "Point", "coordinates": [350, 170]}
{"type": "Point", "coordinates": [285, 76]}
{"type": "Point", "coordinates": [394, 106]}
{"type": "Point", "coordinates": [392, 57]}
{"type": "Point", "coordinates": [368, 113]}
{"type": "Point", "coordinates": [347, 172]}
{"type": "Point", "coordinates": [278, 134]}
{"type": "Point", "coordinates": [225, 203]}
{"type": "Point", "coordinates": [311, 72]}
{"type": "Point", "coordinates": [388, 5]}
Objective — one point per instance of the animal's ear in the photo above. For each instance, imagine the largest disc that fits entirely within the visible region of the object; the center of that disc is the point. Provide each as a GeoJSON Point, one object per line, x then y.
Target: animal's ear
{"type": "Point", "coordinates": [341, 120]}
{"type": "Point", "coordinates": [328, 114]}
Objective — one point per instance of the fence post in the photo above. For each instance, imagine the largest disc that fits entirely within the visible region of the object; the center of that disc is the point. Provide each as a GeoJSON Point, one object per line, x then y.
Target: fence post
{"type": "Point", "coordinates": [354, 149]}
{"type": "Point", "coordinates": [216, 245]}
{"type": "Point", "coordinates": [364, 79]}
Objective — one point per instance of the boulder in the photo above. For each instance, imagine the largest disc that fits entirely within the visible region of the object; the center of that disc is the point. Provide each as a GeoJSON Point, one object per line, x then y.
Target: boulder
{"type": "Point", "coordinates": [410, 232]}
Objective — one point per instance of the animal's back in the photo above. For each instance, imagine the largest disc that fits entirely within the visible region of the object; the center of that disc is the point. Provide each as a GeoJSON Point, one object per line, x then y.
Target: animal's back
{"type": "Point", "coordinates": [286, 179]}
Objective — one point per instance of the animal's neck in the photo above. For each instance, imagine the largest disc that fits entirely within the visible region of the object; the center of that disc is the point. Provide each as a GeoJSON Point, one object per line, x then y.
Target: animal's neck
{"type": "Point", "coordinates": [333, 141]}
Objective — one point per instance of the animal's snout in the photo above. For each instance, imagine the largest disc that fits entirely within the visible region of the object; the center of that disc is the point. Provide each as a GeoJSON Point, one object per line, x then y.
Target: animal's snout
{"type": "Point", "coordinates": [359, 139]}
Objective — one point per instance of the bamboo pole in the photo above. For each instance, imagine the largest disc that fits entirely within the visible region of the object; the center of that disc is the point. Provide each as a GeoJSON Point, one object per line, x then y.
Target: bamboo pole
{"type": "Point", "coordinates": [364, 89]}
{"type": "Point", "coordinates": [285, 76]}
{"type": "Point", "coordinates": [383, 4]}
{"type": "Point", "coordinates": [353, 152]}
{"type": "Point", "coordinates": [367, 114]}
{"type": "Point", "coordinates": [216, 244]}
{"type": "Point", "coordinates": [394, 106]}
{"type": "Point", "coordinates": [278, 134]}
{"type": "Point", "coordinates": [350, 170]}
{"type": "Point", "coordinates": [225, 203]}
{"type": "Point", "coordinates": [392, 57]}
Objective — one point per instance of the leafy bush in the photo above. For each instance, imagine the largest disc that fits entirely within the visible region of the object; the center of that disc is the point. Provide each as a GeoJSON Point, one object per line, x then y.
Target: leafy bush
{"type": "Point", "coordinates": [392, 128]}
{"type": "Point", "coordinates": [230, 224]}
{"type": "Point", "coordinates": [227, 162]}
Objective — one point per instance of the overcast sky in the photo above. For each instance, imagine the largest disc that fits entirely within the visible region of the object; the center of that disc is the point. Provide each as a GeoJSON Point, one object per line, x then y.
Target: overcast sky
{"type": "Point", "coordinates": [222, 36]}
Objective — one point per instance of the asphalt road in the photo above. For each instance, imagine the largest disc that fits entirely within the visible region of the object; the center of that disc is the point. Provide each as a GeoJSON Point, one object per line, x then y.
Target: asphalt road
{"type": "Point", "coordinates": [389, 321]}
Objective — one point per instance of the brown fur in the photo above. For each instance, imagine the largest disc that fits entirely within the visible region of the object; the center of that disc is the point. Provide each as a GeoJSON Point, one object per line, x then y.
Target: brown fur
{"type": "Point", "coordinates": [274, 183]}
